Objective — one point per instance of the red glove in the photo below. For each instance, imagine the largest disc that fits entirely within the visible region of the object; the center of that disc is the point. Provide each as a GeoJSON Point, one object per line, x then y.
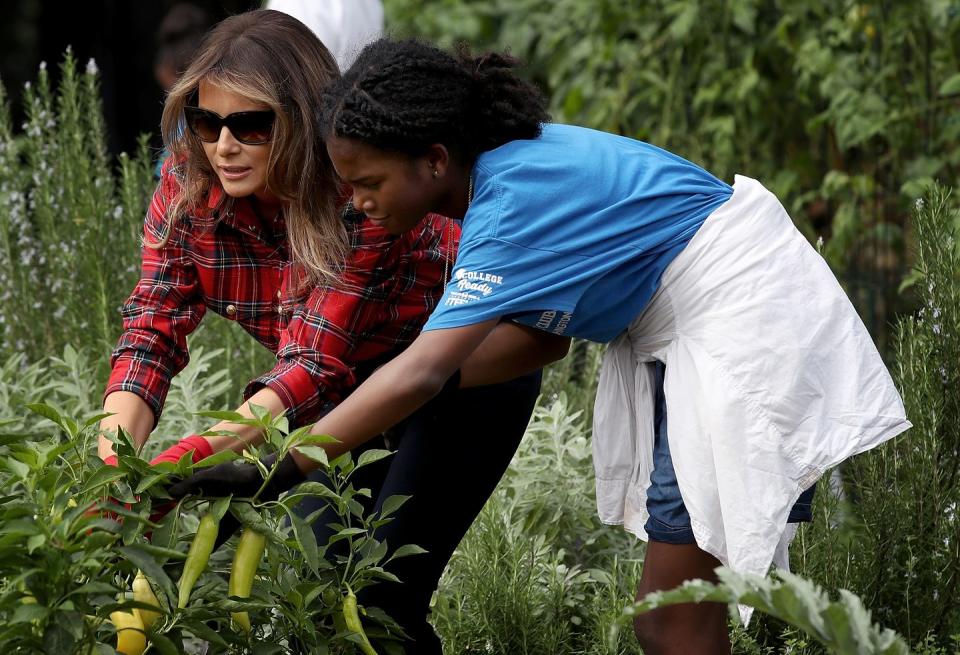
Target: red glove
{"type": "Point", "coordinates": [201, 450]}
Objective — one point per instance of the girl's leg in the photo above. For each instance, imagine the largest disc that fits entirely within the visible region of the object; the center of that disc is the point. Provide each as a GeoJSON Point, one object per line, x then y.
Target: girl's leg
{"type": "Point", "coordinates": [449, 460]}
{"type": "Point", "coordinates": [673, 557]}
{"type": "Point", "coordinates": [694, 628]}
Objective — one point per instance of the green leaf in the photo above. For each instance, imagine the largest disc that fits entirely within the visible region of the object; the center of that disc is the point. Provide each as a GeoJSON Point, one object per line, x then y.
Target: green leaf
{"type": "Point", "coordinates": [347, 532]}
{"type": "Point", "coordinates": [371, 456]}
{"type": "Point", "coordinates": [392, 504]}
{"type": "Point", "coordinates": [317, 439]}
{"type": "Point", "coordinates": [201, 631]}
{"type": "Point", "coordinates": [27, 613]}
{"type": "Point", "coordinates": [684, 22]}
{"type": "Point", "coordinates": [406, 550]}
{"type": "Point", "coordinates": [57, 640]}
{"type": "Point", "coordinates": [232, 417]}
{"type": "Point", "coordinates": [150, 481]}
{"type": "Point", "coordinates": [35, 542]}
{"type": "Point", "coordinates": [219, 507]}
{"type": "Point", "coordinates": [261, 413]}
{"type": "Point", "coordinates": [93, 588]}
{"type": "Point", "coordinates": [102, 476]}
{"type": "Point", "coordinates": [144, 560]}
{"type": "Point", "coordinates": [950, 86]}
{"type": "Point", "coordinates": [306, 540]}
{"type": "Point", "coordinates": [165, 536]}
{"type": "Point", "coordinates": [315, 453]}
{"type": "Point", "coordinates": [217, 458]}
{"type": "Point", "coordinates": [47, 412]}
{"type": "Point", "coordinates": [164, 644]}
{"type": "Point", "coordinates": [16, 467]}
{"type": "Point", "coordinates": [162, 553]}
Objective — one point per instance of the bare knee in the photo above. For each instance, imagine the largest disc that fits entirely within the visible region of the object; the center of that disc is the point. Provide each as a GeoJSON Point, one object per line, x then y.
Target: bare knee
{"type": "Point", "coordinates": [686, 628]}
{"type": "Point", "coordinates": [645, 628]}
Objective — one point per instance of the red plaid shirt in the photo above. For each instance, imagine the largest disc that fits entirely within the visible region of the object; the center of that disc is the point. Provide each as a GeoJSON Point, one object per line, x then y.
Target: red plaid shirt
{"type": "Point", "coordinates": [234, 262]}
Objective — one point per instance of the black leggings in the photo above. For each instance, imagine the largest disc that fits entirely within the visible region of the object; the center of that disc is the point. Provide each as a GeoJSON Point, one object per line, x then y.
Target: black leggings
{"type": "Point", "coordinates": [449, 458]}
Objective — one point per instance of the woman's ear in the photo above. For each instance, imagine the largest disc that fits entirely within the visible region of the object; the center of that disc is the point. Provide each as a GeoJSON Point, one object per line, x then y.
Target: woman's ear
{"type": "Point", "coordinates": [438, 160]}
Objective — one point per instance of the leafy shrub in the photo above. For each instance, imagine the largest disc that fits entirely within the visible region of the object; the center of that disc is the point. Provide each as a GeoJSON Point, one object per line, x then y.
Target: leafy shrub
{"type": "Point", "coordinates": [897, 546]}
{"type": "Point", "coordinates": [842, 626]}
{"type": "Point", "coordinates": [73, 533]}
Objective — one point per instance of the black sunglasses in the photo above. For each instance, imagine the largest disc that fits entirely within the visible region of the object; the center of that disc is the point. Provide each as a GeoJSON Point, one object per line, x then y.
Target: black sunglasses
{"type": "Point", "coordinates": [250, 127]}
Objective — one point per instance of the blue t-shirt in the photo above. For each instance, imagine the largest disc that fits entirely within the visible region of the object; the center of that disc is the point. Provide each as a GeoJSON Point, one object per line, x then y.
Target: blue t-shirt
{"type": "Point", "coordinates": [570, 232]}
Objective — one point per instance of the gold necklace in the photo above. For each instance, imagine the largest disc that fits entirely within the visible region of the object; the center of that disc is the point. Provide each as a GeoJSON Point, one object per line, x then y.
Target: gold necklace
{"type": "Point", "coordinates": [446, 254]}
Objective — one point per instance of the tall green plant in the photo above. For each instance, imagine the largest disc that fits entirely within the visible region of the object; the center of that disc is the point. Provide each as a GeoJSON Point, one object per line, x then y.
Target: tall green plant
{"type": "Point", "coordinates": [893, 536]}
{"type": "Point", "coordinates": [916, 481]}
{"type": "Point", "coordinates": [67, 221]}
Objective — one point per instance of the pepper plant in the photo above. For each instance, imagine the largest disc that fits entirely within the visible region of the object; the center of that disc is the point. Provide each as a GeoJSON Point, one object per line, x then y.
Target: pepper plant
{"type": "Point", "coordinates": [78, 540]}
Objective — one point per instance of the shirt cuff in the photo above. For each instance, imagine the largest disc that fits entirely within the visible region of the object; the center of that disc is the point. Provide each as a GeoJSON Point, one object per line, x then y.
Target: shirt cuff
{"type": "Point", "coordinates": [154, 395]}
{"type": "Point", "coordinates": [305, 397]}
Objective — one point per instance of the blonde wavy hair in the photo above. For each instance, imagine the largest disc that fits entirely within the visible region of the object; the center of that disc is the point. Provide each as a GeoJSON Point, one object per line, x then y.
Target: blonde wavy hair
{"type": "Point", "coordinates": [274, 60]}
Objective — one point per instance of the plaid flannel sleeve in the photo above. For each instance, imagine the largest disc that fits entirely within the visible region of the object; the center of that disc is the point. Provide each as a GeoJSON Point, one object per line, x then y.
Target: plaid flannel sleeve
{"type": "Point", "coordinates": [385, 294]}
{"type": "Point", "coordinates": [163, 309]}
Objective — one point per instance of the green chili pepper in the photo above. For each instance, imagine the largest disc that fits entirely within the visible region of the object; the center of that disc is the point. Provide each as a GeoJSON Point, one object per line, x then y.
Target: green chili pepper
{"type": "Point", "coordinates": [246, 561]}
{"type": "Point", "coordinates": [197, 556]}
{"type": "Point", "coordinates": [351, 616]}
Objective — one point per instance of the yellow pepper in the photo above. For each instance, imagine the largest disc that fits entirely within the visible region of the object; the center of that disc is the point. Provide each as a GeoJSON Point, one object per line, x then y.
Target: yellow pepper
{"type": "Point", "coordinates": [131, 639]}
{"type": "Point", "coordinates": [143, 593]}
{"type": "Point", "coordinates": [246, 561]}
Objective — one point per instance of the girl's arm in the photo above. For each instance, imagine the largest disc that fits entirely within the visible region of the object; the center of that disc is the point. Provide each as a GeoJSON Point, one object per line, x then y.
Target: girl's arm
{"type": "Point", "coordinates": [407, 382]}
{"type": "Point", "coordinates": [391, 394]}
{"type": "Point", "coordinates": [509, 351]}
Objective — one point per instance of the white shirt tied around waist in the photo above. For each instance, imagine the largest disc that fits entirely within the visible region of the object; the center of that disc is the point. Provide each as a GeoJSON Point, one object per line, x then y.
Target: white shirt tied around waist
{"type": "Point", "coordinates": [771, 379]}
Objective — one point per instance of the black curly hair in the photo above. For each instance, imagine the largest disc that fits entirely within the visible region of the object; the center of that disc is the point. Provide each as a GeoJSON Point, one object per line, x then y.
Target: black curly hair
{"type": "Point", "coordinates": [406, 95]}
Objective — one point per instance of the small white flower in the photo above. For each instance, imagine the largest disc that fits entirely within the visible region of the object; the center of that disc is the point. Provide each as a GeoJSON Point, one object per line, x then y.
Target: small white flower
{"type": "Point", "coordinates": [918, 204]}
{"type": "Point", "coordinates": [936, 328]}
{"type": "Point", "coordinates": [92, 67]}
{"type": "Point", "coordinates": [43, 65]}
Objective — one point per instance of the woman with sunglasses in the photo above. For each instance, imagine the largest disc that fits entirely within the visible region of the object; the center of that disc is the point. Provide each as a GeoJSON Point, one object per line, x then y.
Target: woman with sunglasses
{"type": "Point", "coordinates": [249, 187]}
{"type": "Point", "coordinates": [724, 322]}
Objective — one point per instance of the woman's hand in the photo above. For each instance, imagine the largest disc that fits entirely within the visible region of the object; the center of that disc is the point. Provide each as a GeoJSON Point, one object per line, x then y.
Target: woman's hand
{"type": "Point", "coordinates": [130, 412]}
{"type": "Point", "coordinates": [198, 446]}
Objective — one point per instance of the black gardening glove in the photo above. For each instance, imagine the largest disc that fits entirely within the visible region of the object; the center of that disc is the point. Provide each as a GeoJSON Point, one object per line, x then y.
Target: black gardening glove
{"type": "Point", "coordinates": [243, 480]}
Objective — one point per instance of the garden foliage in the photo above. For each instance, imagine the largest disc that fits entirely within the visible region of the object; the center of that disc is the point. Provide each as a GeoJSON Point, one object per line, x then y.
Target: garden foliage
{"type": "Point", "coordinates": [891, 532]}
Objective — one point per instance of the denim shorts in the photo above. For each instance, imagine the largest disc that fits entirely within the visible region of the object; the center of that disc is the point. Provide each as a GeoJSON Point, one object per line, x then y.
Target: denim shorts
{"type": "Point", "coordinates": [668, 521]}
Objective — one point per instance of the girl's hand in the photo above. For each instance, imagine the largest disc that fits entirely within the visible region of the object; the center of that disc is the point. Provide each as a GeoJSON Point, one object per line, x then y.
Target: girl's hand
{"type": "Point", "coordinates": [242, 480]}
